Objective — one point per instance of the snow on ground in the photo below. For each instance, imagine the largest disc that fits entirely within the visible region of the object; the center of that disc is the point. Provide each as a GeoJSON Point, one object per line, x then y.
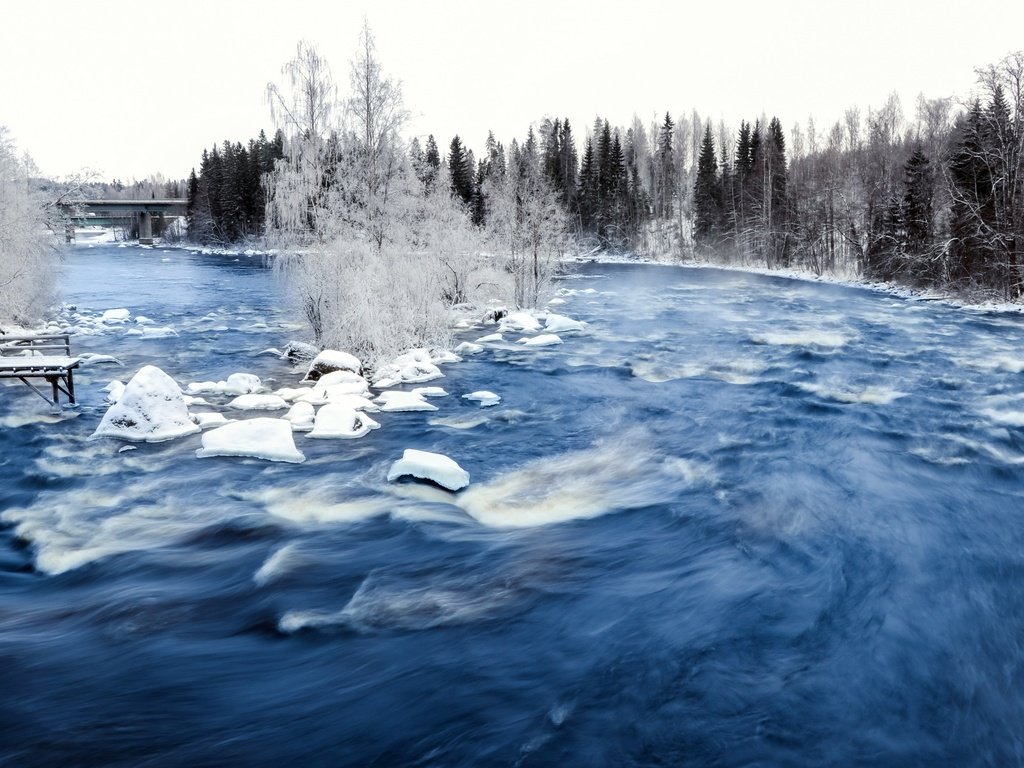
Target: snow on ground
{"type": "Point", "coordinates": [260, 438]}
{"type": "Point", "coordinates": [435, 467]}
{"type": "Point", "coordinates": [150, 409]}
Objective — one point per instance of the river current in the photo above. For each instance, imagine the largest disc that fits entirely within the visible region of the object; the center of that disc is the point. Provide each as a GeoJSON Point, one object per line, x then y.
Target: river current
{"type": "Point", "coordinates": [740, 520]}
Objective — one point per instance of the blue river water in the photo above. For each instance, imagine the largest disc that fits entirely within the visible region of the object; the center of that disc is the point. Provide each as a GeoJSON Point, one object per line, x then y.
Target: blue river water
{"type": "Point", "coordinates": [740, 520]}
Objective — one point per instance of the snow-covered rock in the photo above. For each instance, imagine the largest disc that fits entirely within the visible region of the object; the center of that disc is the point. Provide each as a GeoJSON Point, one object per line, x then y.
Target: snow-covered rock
{"type": "Point", "coordinates": [236, 384]}
{"type": "Point", "coordinates": [258, 403]}
{"type": "Point", "coordinates": [520, 321]}
{"type": "Point", "coordinates": [435, 467]}
{"type": "Point", "coordinates": [331, 360]}
{"type": "Point", "coordinates": [261, 438]}
{"type": "Point", "coordinates": [114, 391]}
{"type": "Point", "coordinates": [150, 409]}
{"type": "Point", "coordinates": [429, 392]}
{"type": "Point", "coordinates": [544, 340]}
{"type": "Point", "coordinates": [490, 337]}
{"type": "Point", "coordinates": [242, 384]}
{"type": "Point", "coordinates": [115, 316]}
{"type": "Point", "coordinates": [210, 420]}
{"type": "Point", "coordinates": [468, 348]}
{"type": "Point", "coordinates": [299, 351]}
{"type": "Point", "coordinates": [403, 401]}
{"type": "Point", "coordinates": [337, 421]}
{"type": "Point", "coordinates": [483, 397]}
{"type": "Point", "coordinates": [301, 416]}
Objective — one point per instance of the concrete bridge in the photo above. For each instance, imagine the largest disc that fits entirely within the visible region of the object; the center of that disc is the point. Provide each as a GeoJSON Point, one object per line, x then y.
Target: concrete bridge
{"type": "Point", "coordinates": [88, 211]}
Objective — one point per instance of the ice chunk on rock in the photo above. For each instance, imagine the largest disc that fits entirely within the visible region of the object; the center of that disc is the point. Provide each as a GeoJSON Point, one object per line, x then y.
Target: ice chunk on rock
{"type": "Point", "coordinates": [483, 397]}
{"type": "Point", "coordinates": [261, 438]}
{"type": "Point", "coordinates": [435, 467]}
{"type": "Point", "coordinates": [115, 316]}
{"type": "Point", "coordinates": [150, 409]}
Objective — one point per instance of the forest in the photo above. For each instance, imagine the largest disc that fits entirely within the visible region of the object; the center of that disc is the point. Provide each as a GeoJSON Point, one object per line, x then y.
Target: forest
{"type": "Point", "coordinates": [933, 200]}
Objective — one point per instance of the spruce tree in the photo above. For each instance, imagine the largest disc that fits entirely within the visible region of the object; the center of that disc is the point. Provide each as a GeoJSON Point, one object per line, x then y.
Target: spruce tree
{"type": "Point", "coordinates": [706, 205]}
{"type": "Point", "coordinates": [460, 171]}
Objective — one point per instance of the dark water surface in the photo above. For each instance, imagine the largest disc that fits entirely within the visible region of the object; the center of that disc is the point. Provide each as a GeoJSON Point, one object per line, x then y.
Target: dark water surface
{"type": "Point", "coordinates": [739, 521]}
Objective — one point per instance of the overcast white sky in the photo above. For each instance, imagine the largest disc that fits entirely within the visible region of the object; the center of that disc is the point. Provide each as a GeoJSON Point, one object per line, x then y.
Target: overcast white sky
{"type": "Point", "coordinates": [131, 89]}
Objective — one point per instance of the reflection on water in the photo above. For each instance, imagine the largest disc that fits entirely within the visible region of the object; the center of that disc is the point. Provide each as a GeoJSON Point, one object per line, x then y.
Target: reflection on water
{"type": "Point", "coordinates": [741, 520]}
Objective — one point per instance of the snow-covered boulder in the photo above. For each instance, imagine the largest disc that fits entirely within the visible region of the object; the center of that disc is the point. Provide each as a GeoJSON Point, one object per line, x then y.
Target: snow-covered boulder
{"type": "Point", "coordinates": [560, 324]}
{"type": "Point", "coordinates": [469, 348]}
{"type": "Point", "coordinates": [261, 438]}
{"type": "Point", "coordinates": [544, 340]}
{"type": "Point", "coordinates": [331, 360]}
{"type": "Point", "coordinates": [490, 338]}
{"type": "Point", "coordinates": [242, 384]}
{"type": "Point", "coordinates": [435, 467]}
{"type": "Point", "coordinates": [483, 397]}
{"type": "Point", "coordinates": [403, 401]}
{"type": "Point", "coordinates": [301, 416]}
{"type": "Point", "coordinates": [299, 351]}
{"type": "Point", "coordinates": [520, 321]}
{"type": "Point", "coordinates": [258, 403]}
{"type": "Point", "coordinates": [150, 409]}
{"type": "Point", "coordinates": [115, 316]}
{"type": "Point", "coordinates": [337, 421]}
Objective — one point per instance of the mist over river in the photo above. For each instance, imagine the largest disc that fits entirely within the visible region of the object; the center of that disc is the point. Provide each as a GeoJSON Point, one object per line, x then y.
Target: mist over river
{"type": "Point", "coordinates": [739, 520]}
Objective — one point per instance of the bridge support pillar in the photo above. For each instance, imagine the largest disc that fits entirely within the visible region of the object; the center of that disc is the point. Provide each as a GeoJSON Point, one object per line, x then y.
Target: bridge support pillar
{"type": "Point", "coordinates": [145, 228]}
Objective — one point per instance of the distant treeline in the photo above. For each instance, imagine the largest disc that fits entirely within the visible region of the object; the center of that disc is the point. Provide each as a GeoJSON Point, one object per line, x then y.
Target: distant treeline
{"type": "Point", "coordinates": [937, 200]}
{"type": "Point", "coordinates": [226, 201]}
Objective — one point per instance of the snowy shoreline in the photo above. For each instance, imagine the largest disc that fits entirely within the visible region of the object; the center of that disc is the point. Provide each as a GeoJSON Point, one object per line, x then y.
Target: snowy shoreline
{"type": "Point", "coordinates": [891, 289]}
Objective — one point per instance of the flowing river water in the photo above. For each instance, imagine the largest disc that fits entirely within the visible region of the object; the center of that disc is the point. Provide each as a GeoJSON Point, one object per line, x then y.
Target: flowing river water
{"type": "Point", "coordinates": [740, 520]}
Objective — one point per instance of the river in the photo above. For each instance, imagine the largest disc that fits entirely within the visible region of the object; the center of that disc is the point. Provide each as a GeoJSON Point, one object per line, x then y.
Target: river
{"type": "Point", "coordinates": [741, 520]}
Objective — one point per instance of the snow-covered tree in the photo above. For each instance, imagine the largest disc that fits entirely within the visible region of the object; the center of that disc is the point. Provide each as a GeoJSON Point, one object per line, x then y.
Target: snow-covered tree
{"type": "Point", "coordinates": [28, 241]}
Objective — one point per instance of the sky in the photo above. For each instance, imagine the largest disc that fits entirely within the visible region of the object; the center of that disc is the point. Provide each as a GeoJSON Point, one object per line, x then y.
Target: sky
{"type": "Point", "coordinates": [129, 90]}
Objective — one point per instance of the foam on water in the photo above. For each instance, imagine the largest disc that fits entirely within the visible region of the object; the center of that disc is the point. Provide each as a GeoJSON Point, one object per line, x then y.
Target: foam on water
{"type": "Point", "coordinates": [842, 393]}
{"type": "Point", "coordinates": [315, 505]}
{"type": "Point", "coordinates": [574, 486]}
{"type": "Point", "coordinates": [807, 338]}
{"type": "Point", "coordinates": [387, 602]}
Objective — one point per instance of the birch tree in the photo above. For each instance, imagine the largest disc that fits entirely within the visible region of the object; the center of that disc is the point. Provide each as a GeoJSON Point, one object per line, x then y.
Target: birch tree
{"type": "Point", "coordinates": [28, 241]}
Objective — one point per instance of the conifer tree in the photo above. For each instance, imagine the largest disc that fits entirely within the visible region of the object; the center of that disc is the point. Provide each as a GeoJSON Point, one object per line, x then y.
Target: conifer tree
{"type": "Point", "coordinates": [706, 204]}
{"type": "Point", "coordinates": [460, 171]}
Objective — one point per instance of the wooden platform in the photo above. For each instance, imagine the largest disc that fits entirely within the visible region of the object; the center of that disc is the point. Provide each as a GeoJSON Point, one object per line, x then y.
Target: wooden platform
{"type": "Point", "coordinates": [40, 357]}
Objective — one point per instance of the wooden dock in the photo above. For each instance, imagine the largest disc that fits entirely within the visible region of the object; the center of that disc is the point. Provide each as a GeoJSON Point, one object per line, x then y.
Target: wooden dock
{"type": "Point", "coordinates": [43, 356]}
